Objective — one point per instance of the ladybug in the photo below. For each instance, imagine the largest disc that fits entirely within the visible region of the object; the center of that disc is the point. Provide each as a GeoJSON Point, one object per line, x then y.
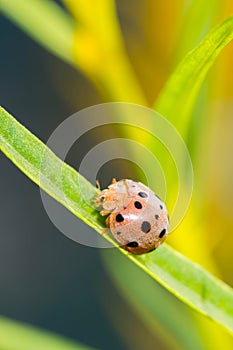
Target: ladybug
{"type": "Point", "coordinates": [138, 218]}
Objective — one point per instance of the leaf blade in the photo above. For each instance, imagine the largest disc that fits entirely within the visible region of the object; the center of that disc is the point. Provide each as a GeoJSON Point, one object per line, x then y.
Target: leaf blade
{"type": "Point", "coordinates": [188, 281]}
{"type": "Point", "coordinates": [184, 277]}
{"type": "Point", "coordinates": [44, 168]}
{"type": "Point", "coordinates": [154, 305]}
{"type": "Point", "coordinates": [177, 98]}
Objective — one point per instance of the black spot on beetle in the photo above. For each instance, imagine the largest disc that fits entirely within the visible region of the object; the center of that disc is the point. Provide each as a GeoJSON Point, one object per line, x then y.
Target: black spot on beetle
{"type": "Point", "coordinates": [161, 207]}
{"type": "Point", "coordinates": [119, 218]}
{"type": "Point", "coordinates": [162, 233]}
{"type": "Point", "coordinates": [142, 194]}
{"type": "Point", "coordinates": [101, 199]}
{"type": "Point", "coordinates": [156, 216]}
{"type": "Point", "coordinates": [138, 205]}
{"type": "Point", "coordinates": [133, 244]}
{"type": "Point", "coordinates": [145, 227]}
{"type": "Point", "coordinates": [118, 232]}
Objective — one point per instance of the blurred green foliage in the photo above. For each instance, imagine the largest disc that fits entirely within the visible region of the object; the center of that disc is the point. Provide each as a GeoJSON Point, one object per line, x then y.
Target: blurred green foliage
{"type": "Point", "coordinates": [18, 336]}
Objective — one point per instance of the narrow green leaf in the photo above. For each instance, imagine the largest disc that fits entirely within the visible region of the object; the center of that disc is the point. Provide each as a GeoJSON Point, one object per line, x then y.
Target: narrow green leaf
{"type": "Point", "coordinates": [191, 283]}
{"type": "Point", "coordinates": [188, 281]}
{"type": "Point", "coordinates": [154, 305]}
{"type": "Point", "coordinates": [177, 99]}
{"type": "Point", "coordinates": [18, 336]}
{"type": "Point", "coordinates": [45, 22]}
{"type": "Point", "coordinates": [197, 21]}
{"type": "Point", "coordinates": [42, 166]}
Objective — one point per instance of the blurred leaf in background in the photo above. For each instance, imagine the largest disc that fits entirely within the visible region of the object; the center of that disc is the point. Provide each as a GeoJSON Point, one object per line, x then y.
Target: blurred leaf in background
{"type": "Point", "coordinates": [17, 336]}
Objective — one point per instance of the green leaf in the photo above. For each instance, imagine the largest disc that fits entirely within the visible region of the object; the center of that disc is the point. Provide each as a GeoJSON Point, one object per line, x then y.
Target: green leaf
{"type": "Point", "coordinates": [45, 22]}
{"type": "Point", "coordinates": [197, 24]}
{"type": "Point", "coordinates": [41, 165]}
{"type": "Point", "coordinates": [188, 281]}
{"type": "Point", "coordinates": [155, 306]}
{"type": "Point", "coordinates": [177, 99]}
{"type": "Point", "coordinates": [191, 283]}
{"type": "Point", "coordinates": [18, 336]}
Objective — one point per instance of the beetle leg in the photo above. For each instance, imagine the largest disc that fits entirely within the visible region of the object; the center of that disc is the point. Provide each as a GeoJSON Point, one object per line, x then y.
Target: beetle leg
{"type": "Point", "coordinates": [104, 212]}
{"type": "Point", "coordinates": [105, 230]}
